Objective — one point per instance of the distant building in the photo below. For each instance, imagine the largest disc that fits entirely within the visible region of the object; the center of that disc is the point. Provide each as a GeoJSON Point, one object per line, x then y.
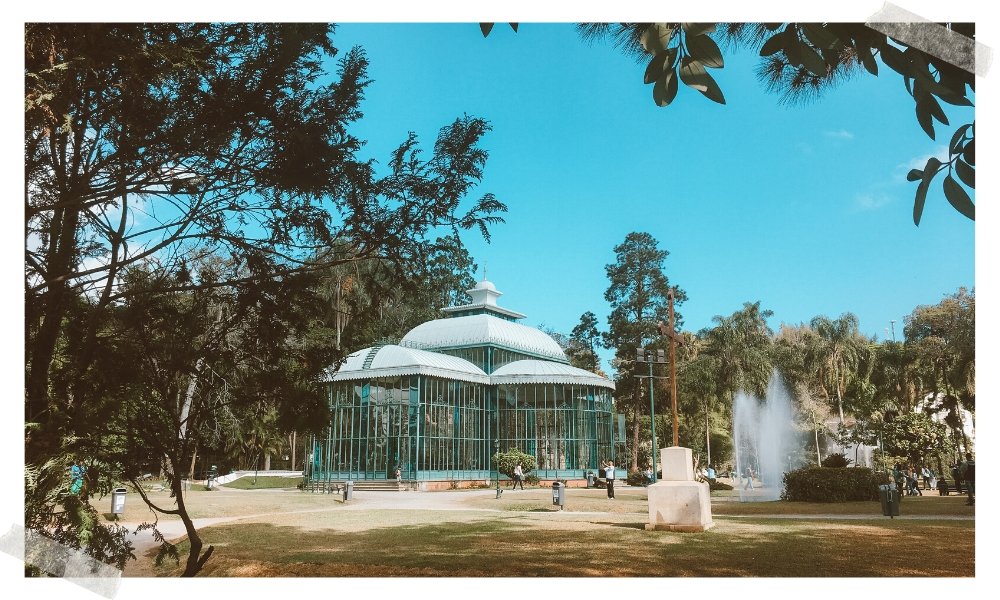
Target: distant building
{"type": "Point", "coordinates": [435, 405]}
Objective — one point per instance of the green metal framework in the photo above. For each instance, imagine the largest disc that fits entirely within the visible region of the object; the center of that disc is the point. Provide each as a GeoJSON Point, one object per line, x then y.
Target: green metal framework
{"type": "Point", "coordinates": [440, 429]}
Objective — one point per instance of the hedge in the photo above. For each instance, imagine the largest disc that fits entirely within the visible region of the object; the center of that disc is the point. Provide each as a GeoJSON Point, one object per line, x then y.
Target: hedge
{"type": "Point", "coordinates": [823, 484]}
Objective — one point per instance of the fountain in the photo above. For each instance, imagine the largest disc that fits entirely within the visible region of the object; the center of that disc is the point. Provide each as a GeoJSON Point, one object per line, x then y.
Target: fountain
{"type": "Point", "coordinates": [764, 439]}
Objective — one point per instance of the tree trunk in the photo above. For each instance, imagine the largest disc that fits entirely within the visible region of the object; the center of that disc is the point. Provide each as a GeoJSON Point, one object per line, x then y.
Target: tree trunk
{"type": "Point", "coordinates": [267, 461]}
{"type": "Point", "coordinates": [195, 560]}
{"type": "Point", "coordinates": [292, 444]}
{"type": "Point", "coordinates": [194, 457]}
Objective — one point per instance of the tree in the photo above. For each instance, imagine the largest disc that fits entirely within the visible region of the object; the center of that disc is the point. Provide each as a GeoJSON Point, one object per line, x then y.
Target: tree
{"type": "Point", "coordinates": [171, 142]}
{"type": "Point", "coordinates": [183, 183]}
{"type": "Point", "coordinates": [584, 340]}
{"type": "Point", "coordinates": [637, 293]}
{"type": "Point", "coordinates": [741, 343]}
{"type": "Point", "coordinates": [841, 345]}
{"type": "Point", "coordinates": [801, 60]}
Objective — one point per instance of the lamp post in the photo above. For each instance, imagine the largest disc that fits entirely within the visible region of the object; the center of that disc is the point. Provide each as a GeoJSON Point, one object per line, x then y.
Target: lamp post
{"type": "Point", "coordinates": [647, 356]}
{"type": "Point", "coordinates": [496, 451]}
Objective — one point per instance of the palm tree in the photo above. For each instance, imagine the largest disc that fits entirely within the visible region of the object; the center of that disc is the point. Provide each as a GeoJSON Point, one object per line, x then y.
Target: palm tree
{"type": "Point", "coordinates": [840, 349]}
{"type": "Point", "coordinates": [741, 343]}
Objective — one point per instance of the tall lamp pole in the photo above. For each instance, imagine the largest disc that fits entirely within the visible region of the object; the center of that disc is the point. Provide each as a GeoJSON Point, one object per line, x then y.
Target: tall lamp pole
{"type": "Point", "coordinates": [496, 451]}
{"type": "Point", "coordinates": [647, 356]}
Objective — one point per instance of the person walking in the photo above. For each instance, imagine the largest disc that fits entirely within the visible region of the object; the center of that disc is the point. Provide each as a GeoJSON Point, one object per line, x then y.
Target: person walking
{"type": "Point", "coordinates": [518, 477]}
{"type": "Point", "coordinates": [609, 474]}
{"type": "Point", "coordinates": [399, 477]}
{"type": "Point", "coordinates": [749, 484]}
{"type": "Point", "coordinates": [968, 471]}
{"type": "Point", "coordinates": [925, 474]}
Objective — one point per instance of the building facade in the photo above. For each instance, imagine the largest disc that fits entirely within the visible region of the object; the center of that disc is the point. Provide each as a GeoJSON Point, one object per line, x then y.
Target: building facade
{"type": "Point", "coordinates": [440, 403]}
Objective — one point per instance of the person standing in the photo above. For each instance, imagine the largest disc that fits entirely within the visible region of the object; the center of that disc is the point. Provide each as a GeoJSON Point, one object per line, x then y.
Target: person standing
{"type": "Point", "coordinates": [749, 484]}
{"type": "Point", "coordinates": [968, 472]}
{"type": "Point", "coordinates": [925, 474]}
{"type": "Point", "coordinates": [518, 477]}
{"type": "Point", "coordinates": [399, 477]}
{"type": "Point", "coordinates": [957, 478]}
{"type": "Point", "coordinates": [77, 472]}
{"type": "Point", "coordinates": [609, 474]}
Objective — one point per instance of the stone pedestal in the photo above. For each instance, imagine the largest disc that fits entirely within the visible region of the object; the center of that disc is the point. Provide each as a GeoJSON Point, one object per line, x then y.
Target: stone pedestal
{"type": "Point", "coordinates": [677, 502]}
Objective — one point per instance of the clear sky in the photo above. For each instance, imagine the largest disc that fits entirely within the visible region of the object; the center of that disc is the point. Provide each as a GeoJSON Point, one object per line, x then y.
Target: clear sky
{"type": "Point", "coordinates": [804, 208]}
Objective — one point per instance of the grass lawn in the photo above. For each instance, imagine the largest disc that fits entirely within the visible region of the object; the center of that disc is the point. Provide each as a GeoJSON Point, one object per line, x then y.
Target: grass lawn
{"type": "Point", "coordinates": [595, 536]}
{"type": "Point", "coordinates": [263, 483]}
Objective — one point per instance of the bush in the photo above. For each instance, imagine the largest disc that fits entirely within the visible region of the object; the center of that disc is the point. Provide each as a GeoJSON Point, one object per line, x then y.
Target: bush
{"type": "Point", "coordinates": [836, 461]}
{"type": "Point", "coordinates": [636, 478]}
{"type": "Point", "coordinates": [822, 484]}
{"type": "Point", "coordinates": [715, 484]}
{"type": "Point", "coordinates": [531, 479]}
{"type": "Point", "coordinates": [506, 461]}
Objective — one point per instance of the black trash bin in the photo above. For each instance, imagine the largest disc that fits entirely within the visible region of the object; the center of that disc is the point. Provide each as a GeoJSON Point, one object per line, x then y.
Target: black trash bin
{"type": "Point", "coordinates": [888, 495]}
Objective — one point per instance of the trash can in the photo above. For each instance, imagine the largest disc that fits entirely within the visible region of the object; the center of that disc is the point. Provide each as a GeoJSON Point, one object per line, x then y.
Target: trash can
{"type": "Point", "coordinates": [590, 480]}
{"type": "Point", "coordinates": [213, 474]}
{"type": "Point", "coordinates": [118, 501]}
{"type": "Point", "coordinates": [888, 495]}
{"type": "Point", "coordinates": [348, 490]}
{"type": "Point", "coordinates": [559, 495]}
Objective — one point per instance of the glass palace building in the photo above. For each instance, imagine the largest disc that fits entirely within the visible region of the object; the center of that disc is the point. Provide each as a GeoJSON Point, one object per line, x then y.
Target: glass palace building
{"type": "Point", "coordinates": [438, 404]}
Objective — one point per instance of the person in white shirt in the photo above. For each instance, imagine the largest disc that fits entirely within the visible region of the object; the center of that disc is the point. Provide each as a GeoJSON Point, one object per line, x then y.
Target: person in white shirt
{"type": "Point", "coordinates": [609, 474]}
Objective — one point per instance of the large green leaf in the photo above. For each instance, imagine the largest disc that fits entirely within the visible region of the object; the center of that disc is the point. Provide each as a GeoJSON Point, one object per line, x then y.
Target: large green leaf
{"type": "Point", "coordinates": [956, 138]}
{"type": "Point", "coordinates": [894, 59]}
{"type": "Point", "coordinates": [654, 70]}
{"type": "Point", "coordinates": [868, 60]}
{"type": "Point", "coordinates": [966, 173]}
{"type": "Point", "coordinates": [703, 49]}
{"type": "Point", "coordinates": [812, 60]}
{"type": "Point", "coordinates": [698, 28]}
{"type": "Point", "coordinates": [930, 170]}
{"type": "Point", "coordinates": [924, 116]}
{"type": "Point", "coordinates": [819, 36]}
{"type": "Point", "coordinates": [969, 154]}
{"type": "Point", "coordinates": [665, 89]}
{"type": "Point", "coordinates": [694, 75]}
{"type": "Point", "coordinates": [958, 198]}
{"type": "Point", "coordinates": [656, 37]}
{"type": "Point", "coordinates": [773, 45]}
{"type": "Point", "coordinates": [914, 175]}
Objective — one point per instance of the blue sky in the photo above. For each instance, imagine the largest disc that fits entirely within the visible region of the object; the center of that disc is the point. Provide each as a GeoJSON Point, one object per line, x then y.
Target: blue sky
{"type": "Point", "coordinates": [804, 208]}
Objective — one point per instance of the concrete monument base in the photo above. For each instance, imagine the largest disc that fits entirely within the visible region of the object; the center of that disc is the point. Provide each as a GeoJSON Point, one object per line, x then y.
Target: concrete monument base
{"type": "Point", "coordinates": [678, 502]}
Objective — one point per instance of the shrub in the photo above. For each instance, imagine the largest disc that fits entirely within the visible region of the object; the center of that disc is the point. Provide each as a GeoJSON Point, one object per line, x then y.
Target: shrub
{"type": "Point", "coordinates": [531, 479]}
{"type": "Point", "coordinates": [836, 460]}
{"type": "Point", "coordinates": [822, 484]}
{"type": "Point", "coordinates": [506, 461]}
{"type": "Point", "coordinates": [636, 478]}
{"type": "Point", "coordinates": [715, 484]}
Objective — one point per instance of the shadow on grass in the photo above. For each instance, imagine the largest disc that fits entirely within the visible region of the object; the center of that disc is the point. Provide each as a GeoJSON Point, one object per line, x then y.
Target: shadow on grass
{"type": "Point", "coordinates": [485, 548]}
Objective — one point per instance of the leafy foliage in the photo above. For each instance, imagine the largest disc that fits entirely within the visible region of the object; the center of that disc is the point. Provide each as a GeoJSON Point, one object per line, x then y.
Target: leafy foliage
{"type": "Point", "coordinates": [817, 484]}
{"type": "Point", "coordinates": [836, 460]}
{"type": "Point", "coordinates": [506, 461]}
{"type": "Point", "coordinates": [799, 61]}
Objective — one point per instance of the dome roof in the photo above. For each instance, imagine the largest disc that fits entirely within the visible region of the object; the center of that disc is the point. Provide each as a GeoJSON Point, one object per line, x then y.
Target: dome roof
{"type": "Point", "coordinates": [543, 371]}
{"type": "Point", "coordinates": [485, 285]}
{"type": "Point", "coordinates": [393, 361]}
{"type": "Point", "coordinates": [480, 330]}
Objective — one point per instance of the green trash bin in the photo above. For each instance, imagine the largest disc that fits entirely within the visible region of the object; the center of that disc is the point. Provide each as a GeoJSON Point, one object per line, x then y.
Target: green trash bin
{"type": "Point", "coordinates": [888, 495]}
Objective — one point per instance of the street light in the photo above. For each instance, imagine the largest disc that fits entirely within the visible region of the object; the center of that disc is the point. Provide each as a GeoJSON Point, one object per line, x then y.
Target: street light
{"type": "Point", "coordinates": [647, 356]}
{"type": "Point", "coordinates": [496, 452]}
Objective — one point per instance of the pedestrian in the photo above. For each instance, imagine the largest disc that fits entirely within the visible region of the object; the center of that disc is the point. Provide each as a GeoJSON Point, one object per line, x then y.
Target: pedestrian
{"type": "Point", "coordinates": [76, 474]}
{"type": "Point", "coordinates": [925, 474]}
{"type": "Point", "coordinates": [957, 477]}
{"type": "Point", "coordinates": [710, 473]}
{"type": "Point", "coordinates": [648, 474]}
{"type": "Point", "coordinates": [399, 477]}
{"type": "Point", "coordinates": [968, 471]}
{"type": "Point", "coordinates": [609, 474]}
{"type": "Point", "coordinates": [518, 477]}
{"type": "Point", "coordinates": [749, 483]}
{"type": "Point", "coordinates": [912, 483]}
{"type": "Point", "coordinates": [934, 479]}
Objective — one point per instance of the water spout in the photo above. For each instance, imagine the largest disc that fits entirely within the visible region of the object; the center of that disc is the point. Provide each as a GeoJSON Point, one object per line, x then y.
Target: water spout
{"type": "Point", "coordinates": [765, 440]}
